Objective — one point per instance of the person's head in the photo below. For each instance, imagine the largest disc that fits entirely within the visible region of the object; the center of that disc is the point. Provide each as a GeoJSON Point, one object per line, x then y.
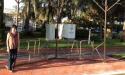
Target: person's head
{"type": "Point", "coordinates": [13, 29]}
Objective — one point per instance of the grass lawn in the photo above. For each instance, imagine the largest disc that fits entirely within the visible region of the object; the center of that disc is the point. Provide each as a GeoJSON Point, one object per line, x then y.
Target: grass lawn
{"type": "Point", "coordinates": [64, 43]}
{"type": "Point", "coordinates": [119, 56]}
{"type": "Point", "coordinates": [115, 43]}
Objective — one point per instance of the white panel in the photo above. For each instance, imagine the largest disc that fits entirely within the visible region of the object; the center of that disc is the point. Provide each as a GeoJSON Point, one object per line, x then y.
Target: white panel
{"type": "Point", "coordinates": [69, 31]}
{"type": "Point", "coordinates": [60, 31]}
{"type": "Point", "coordinates": [50, 32]}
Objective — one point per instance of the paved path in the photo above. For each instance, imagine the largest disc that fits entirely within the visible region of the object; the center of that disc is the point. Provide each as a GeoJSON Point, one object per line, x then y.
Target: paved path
{"type": "Point", "coordinates": [86, 66]}
{"type": "Point", "coordinates": [68, 67]}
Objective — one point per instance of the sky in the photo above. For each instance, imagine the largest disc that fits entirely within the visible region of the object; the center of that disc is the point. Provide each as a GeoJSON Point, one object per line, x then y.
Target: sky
{"type": "Point", "coordinates": [9, 4]}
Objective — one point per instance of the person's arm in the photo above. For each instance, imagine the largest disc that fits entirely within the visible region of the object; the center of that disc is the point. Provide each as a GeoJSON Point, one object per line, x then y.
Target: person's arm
{"type": "Point", "coordinates": [7, 42]}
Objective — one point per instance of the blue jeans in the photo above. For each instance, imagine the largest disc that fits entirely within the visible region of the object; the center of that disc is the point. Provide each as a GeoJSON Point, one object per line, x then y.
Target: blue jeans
{"type": "Point", "coordinates": [12, 58]}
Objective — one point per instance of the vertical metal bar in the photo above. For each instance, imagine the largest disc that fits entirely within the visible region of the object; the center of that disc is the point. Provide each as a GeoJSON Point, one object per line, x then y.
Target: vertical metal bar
{"type": "Point", "coordinates": [77, 46]}
{"type": "Point", "coordinates": [105, 29]}
{"type": "Point", "coordinates": [72, 46]}
{"type": "Point", "coordinates": [39, 46]}
{"type": "Point", "coordinates": [28, 47]}
{"type": "Point", "coordinates": [58, 14]}
{"type": "Point", "coordinates": [92, 45]}
{"type": "Point", "coordinates": [19, 46]}
{"type": "Point", "coordinates": [89, 38]}
{"type": "Point", "coordinates": [80, 49]}
{"type": "Point", "coordinates": [34, 46]}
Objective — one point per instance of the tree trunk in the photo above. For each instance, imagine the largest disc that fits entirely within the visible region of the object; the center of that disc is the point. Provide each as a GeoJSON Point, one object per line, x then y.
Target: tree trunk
{"type": "Point", "coordinates": [49, 11]}
{"type": "Point", "coordinates": [35, 3]}
{"type": "Point", "coordinates": [26, 27]}
{"type": "Point", "coordinates": [124, 22]}
{"type": "Point", "coordinates": [2, 26]}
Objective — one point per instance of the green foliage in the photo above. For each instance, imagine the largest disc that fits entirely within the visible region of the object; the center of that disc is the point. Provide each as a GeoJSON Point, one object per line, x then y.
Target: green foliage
{"type": "Point", "coordinates": [81, 34]}
{"type": "Point", "coordinates": [2, 34]}
{"type": "Point", "coordinates": [96, 38]}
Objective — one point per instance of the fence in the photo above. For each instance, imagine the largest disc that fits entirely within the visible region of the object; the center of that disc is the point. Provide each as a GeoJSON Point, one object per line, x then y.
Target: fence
{"type": "Point", "coordinates": [34, 47]}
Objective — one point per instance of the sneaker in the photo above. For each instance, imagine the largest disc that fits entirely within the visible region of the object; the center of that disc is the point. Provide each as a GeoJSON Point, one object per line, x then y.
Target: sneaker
{"type": "Point", "coordinates": [11, 71]}
{"type": "Point", "coordinates": [6, 67]}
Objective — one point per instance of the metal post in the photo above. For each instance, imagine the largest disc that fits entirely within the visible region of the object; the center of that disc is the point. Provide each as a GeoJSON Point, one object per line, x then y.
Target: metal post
{"type": "Point", "coordinates": [105, 23]}
{"type": "Point", "coordinates": [35, 47]}
{"type": "Point", "coordinates": [28, 47]}
{"type": "Point", "coordinates": [58, 14]}
{"type": "Point", "coordinates": [89, 38]}
{"type": "Point", "coordinates": [105, 29]}
{"type": "Point", "coordinates": [80, 52]}
{"type": "Point", "coordinates": [39, 45]}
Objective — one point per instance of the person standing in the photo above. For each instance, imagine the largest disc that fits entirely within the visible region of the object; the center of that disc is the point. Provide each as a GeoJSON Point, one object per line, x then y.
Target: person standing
{"type": "Point", "coordinates": [12, 42]}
